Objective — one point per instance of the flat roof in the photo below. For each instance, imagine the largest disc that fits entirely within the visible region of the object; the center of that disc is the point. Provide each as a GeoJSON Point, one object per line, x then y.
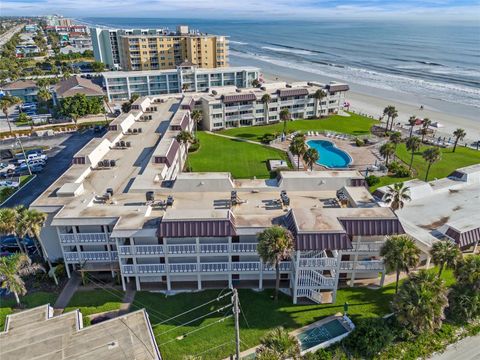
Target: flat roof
{"type": "Point", "coordinates": [116, 74]}
{"type": "Point", "coordinates": [37, 334]}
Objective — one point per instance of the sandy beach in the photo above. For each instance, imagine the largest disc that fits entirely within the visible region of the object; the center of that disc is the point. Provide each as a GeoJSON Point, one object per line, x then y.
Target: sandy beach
{"type": "Point", "coordinates": [372, 101]}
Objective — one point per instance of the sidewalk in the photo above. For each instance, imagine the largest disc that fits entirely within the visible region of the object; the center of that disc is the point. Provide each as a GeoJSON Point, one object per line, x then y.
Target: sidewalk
{"type": "Point", "coordinates": [66, 294]}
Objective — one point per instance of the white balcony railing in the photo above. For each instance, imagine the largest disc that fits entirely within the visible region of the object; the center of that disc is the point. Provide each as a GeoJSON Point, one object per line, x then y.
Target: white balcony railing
{"type": "Point", "coordinates": [125, 250]}
{"type": "Point", "coordinates": [100, 256]}
{"type": "Point", "coordinates": [214, 267]}
{"type": "Point", "coordinates": [182, 268]}
{"type": "Point", "coordinates": [244, 247]}
{"type": "Point", "coordinates": [84, 238]}
{"type": "Point", "coordinates": [284, 266]}
{"type": "Point", "coordinates": [368, 265]}
{"type": "Point", "coordinates": [149, 249]}
{"type": "Point", "coordinates": [246, 266]}
{"type": "Point", "coordinates": [150, 268]}
{"type": "Point", "coordinates": [128, 269]}
{"type": "Point", "coordinates": [182, 249]}
{"type": "Point", "coordinates": [367, 247]}
{"type": "Point", "coordinates": [325, 263]}
{"type": "Point", "coordinates": [213, 248]}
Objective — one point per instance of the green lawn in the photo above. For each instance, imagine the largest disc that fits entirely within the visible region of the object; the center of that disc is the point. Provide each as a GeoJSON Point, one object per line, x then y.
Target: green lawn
{"type": "Point", "coordinates": [243, 160]}
{"type": "Point", "coordinates": [95, 301]}
{"type": "Point", "coordinates": [355, 125]}
{"type": "Point", "coordinates": [258, 314]}
{"type": "Point", "coordinates": [450, 161]}
{"type": "Point", "coordinates": [29, 301]}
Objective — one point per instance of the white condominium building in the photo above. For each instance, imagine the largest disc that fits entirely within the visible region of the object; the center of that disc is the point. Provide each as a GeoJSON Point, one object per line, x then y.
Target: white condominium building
{"type": "Point", "coordinates": [125, 207]}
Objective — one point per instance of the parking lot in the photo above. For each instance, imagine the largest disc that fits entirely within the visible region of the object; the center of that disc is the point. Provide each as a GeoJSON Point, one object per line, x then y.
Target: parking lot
{"type": "Point", "coordinates": [58, 159]}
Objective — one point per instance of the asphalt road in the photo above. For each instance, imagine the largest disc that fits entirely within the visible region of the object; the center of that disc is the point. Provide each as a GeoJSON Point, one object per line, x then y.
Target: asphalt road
{"type": "Point", "coordinates": [56, 166]}
{"type": "Point", "coordinates": [466, 349]}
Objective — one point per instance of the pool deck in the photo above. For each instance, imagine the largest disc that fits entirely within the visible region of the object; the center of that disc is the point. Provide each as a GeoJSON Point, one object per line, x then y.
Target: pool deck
{"type": "Point", "coordinates": [362, 156]}
{"type": "Point", "coordinates": [295, 332]}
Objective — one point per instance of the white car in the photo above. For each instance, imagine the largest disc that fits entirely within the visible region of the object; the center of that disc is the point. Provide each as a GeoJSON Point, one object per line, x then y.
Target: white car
{"type": "Point", "coordinates": [33, 157]}
{"type": "Point", "coordinates": [8, 183]}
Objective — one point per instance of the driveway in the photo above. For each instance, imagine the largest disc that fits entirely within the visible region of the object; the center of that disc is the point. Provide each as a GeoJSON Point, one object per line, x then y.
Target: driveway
{"type": "Point", "coordinates": [55, 167]}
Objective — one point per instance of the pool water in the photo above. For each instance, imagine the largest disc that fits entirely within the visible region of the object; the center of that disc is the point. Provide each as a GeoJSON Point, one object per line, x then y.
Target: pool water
{"type": "Point", "coordinates": [330, 155]}
{"type": "Point", "coordinates": [320, 334]}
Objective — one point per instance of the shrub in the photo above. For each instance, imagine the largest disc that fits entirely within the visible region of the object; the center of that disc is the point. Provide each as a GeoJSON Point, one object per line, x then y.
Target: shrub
{"type": "Point", "coordinates": [194, 146]}
{"type": "Point", "coordinates": [369, 338]}
{"type": "Point", "coordinates": [372, 180]}
{"type": "Point", "coordinates": [267, 138]}
{"type": "Point", "coordinates": [359, 142]}
{"type": "Point", "coordinates": [398, 169]}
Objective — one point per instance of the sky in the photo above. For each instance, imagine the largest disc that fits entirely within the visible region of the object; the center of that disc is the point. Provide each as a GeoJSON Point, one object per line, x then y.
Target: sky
{"type": "Point", "coordinates": [254, 9]}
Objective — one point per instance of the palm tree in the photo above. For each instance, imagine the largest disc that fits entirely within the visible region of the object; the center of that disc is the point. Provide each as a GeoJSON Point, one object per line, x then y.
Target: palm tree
{"type": "Point", "coordinates": [197, 117]}
{"type": "Point", "coordinates": [310, 157]}
{"type": "Point", "coordinates": [387, 150]}
{"type": "Point", "coordinates": [467, 272]}
{"type": "Point", "coordinates": [413, 144]}
{"type": "Point", "coordinates": [396, 138]}
{"type": "Point", "coordinates": [75, 117]}
{"type": "Point", "coordinates": [412, 122]}
{"type": "Point", "coordinates": [386, 112]}
{"type": "Point", "coordinates": [319, 95]}
{"type": "Point", "coordinates": [278, 344]}
{"type": "Point", "coordinates": [420, 304]}
{"type": "Point", "coordinates": [397, 195]}
{"type": "Point", "coordinates": [12, 268]}
{"type": "Point", "coordinates": [459, 134]}
{"type": "Point", "coordinates": [445, 253]}
{"type": "Point", "coordinates": [431, 155]}
{"type": "Point", "coordinates": [298, 147]}
{"type": "Point", "coordinates": [393, 116]}
{"type": "Point", "coordinates": [424, 132]}
{"type": "Point", "coordinates": [6, 103]}
{"type": "Point", "coordinates": [184, 137]}
{"type": "Point", "coordinates": [105, 100]}
{"type": "Point", "coordinates": [284, 116]}
{"type": "Point", "coordinates": [399, 254]}
{"type": "Point", "coordinates": [425, 125]}
{"type": "Point", "coordinates": [9, 224]}
{"type": "Point", "coordinates": [266, 101]}
{"type": "Point", "coordinates": [44, 95]}
{"type": "Point", "coordinates": [274, 245]}
{"type": "Point", "coordinates": [255, 83]}
{"type": "Point", "coordinates": [185, 87]}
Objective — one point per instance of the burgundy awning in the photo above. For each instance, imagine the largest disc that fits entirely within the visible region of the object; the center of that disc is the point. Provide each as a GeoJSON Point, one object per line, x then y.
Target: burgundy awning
{"type": "Point", "coordinates": [340, 87]}
{"type": "Point", "coordinates": [292, 92]}
{"type": "Point", "coordinates": [466, 238]}
{"type": "Point", "coordinates": [194, 228]}
{"type": "Point", "coordinates": [239, 97]}
{"type": "Point", "coordinates": [322, 241]}
{"type": "Point", "coordinates": [372, 227]}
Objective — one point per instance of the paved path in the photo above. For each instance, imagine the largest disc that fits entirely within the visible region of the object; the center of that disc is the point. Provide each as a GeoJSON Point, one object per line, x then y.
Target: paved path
{"type": "Point", "coordinates": [236, 138]}
{"type": "Point", "coordinates": [67, 293]}
{"type": "Point", "coordinates": [465, 349]}
{"type": "Point", "coordinates": [127, 301]}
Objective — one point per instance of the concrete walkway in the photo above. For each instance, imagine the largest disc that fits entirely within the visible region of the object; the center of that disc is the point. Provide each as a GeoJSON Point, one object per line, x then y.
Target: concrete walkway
{"type": "Point", "coordinates": [237, 138]}
{"type": "Point", "coordinates": [127, 301]}
{"type": "Point", "coordinates": [67, 293]}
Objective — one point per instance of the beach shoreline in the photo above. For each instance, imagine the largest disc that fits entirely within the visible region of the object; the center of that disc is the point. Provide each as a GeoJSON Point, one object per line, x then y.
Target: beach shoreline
{"type": "Point", "coordinates": [371, 101]}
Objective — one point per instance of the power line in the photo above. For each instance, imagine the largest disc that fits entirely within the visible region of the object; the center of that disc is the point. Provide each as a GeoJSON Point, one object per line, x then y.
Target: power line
{"type": "Point", "coordinates": [195, 308]}
{"type": "Point", "coordinates": [198, 318]}
{"type": "Point", "coordinates": [201, 328]}
{"type": "Point", "coordinates": [214, 348]}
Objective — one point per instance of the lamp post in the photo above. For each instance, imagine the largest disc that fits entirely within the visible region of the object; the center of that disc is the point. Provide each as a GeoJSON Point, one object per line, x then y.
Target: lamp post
{"type": "Point", "coordinates": [19, 142]}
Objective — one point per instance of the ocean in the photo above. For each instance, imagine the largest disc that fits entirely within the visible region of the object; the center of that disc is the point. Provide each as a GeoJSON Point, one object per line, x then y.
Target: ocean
{"type": "Point", "coordinates": [440, 61]}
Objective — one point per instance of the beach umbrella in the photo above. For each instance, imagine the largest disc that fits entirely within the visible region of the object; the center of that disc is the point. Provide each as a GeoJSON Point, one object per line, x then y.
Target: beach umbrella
{"type": "Point", "coordinates": [437, 125]}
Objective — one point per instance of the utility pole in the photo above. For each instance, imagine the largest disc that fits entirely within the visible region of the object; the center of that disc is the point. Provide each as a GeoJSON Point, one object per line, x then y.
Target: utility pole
{"type": "Point", "coordinates": [236, 312]}
{"type": "Point", "coordinates": [19, 142]}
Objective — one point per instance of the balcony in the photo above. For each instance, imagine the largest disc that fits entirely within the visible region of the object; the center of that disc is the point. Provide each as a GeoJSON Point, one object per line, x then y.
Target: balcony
{"type": "Point", "coordinates": [151, 269]}
{"type": "Point", "coordinates": [368, 265]}
{"type": "Point", "coordinates": [182, 268]}
{"type": "Point", "coordinates": [284, 266]}
{"type": "Point", "coordinates": [182, 249]}
{"type": "Point", "coordinates": [246, 266]}
{"type": "Point", "coordinates": [213, 248]}
{"type": "Point", "coordinates": [83, 238]}
{"type": "Point", "coordinates": [330, 263]}
{"type": "Point", "coordinates": [97, 256]}
{"type": "Point", "coordinates": [214, 267]}
{"type": "Point", "coordinates": [149, 249]}
{"type": "Point", "coordinates": [244, 248]}
{"type": "Point", "coordinates": [367, 247]}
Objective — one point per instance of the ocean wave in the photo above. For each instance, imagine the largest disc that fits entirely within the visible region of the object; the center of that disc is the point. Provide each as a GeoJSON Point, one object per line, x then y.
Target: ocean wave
{"type": "Point", "coordinates": [291, 51]}
{"type": "Point", "coordinates": [297, 48]}
{"type": "Point", "coordinates": [445, 91]}
{"type": "Point", "coordinates": [238, 42]}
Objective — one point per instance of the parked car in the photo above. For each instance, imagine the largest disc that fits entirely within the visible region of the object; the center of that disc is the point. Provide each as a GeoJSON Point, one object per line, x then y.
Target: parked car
{"type": "Point", "coordinates": [9, 183]}
{"type": "Point", "coordinates": [31, 157]}
{"type": "Point", "coordinates": [9, 243]}
{"type": "Point", "coordinates": [35, 169]}
{"type": "Point", "coordinates": [37, 162]}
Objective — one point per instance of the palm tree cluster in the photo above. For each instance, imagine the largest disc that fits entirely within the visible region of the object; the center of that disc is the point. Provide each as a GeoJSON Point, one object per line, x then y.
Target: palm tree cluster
{"type": "Point", "coordinates": [391, 113]}
{"type": "Point", "coordinates": [387, 150]}
{"type": "Point", "coordinates": [275, 244]}
{"type": "Point", "coordinates": [431, 156]}
{"type": "Point", "coordinates": [298, 147]}
{"type": "Point", "coordinates": [397, 195]}
{"type": "Point", "coordinates": [311, 157]}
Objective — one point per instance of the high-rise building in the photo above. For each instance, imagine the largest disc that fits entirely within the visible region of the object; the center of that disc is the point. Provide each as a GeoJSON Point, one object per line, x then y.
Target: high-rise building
{"type": "Point", "coordinates": [158, 49]}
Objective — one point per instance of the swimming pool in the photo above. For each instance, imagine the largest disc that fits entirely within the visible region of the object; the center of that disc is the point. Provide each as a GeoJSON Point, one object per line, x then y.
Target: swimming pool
{"type": "Point", "coordinates": [322, 335]}
{"type": "Point", "coordinates": [330, 156]}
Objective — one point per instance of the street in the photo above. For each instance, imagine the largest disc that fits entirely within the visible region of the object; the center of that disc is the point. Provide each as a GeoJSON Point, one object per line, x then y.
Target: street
{"type": "Point", "coordinates": [56, 166]}
{"type": "Point", "coordinates": [8, 34]}
{"type": "Point", "coordinates": [466, 349]}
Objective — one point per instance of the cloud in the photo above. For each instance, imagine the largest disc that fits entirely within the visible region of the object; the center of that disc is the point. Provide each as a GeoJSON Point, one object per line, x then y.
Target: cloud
{"type": "Point", "coordinates": [257, 9]}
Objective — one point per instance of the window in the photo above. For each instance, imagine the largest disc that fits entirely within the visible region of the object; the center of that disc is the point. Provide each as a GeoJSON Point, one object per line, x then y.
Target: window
{"type": "Point", "coordinates": [259, 111]}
